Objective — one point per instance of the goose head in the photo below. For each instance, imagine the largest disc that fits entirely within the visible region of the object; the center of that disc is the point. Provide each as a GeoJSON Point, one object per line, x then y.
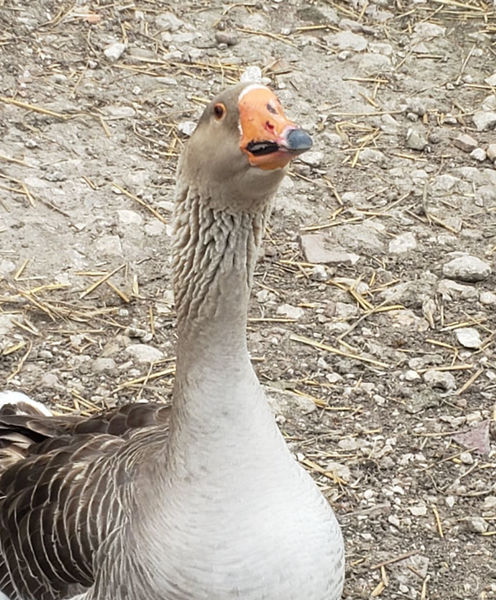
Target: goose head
{"type": "Point", "coordinates": [240, 149]}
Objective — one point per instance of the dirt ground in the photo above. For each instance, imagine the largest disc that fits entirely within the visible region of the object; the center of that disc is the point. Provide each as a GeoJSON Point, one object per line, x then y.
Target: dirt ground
{"type": "Point", "coordinates": [388, 344]}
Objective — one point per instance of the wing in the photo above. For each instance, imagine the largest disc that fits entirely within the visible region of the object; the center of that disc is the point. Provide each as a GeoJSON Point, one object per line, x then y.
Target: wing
{"type": "Point", "coordinates": [64, 494]}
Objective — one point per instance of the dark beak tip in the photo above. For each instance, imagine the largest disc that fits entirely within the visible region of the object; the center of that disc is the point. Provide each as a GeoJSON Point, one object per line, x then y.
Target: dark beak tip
{"type": "Point", "coordinates": [298, 140]}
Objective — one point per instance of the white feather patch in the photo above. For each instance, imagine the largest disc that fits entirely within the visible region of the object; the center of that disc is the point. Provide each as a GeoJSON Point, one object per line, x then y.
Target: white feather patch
{"type": "Point", "coordinates": [11, 397]}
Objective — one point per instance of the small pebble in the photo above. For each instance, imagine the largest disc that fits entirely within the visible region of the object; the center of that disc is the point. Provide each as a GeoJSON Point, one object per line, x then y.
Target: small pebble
{"type": "Point", "coordinates": [479, 154]}
{"type": "Point", "coordinates": [443, 380]}
{"type": "Point", "coordinates": [484, 120]}
{"type": "Point", "coordinates": [292, 312]}
{"type": "Point", "coordinates": [114, 51]}
{"type": "Point", "coordinates": [476, 524]}
{"type": "Point", "coordinates": [230, 38]}
{"type": "Point", "coordinates": [403, 243]}
{"type": "Point", "coordinates": [466, 458]}
{"type": "Point", "coordinates": [465, 142]}
{"type": "Point", "coordinates": [467, 268]}
{"type": "Point", "coordinates": [491, 152]}
{"type": "Point", "coordinates": [144, 353]}
{"type": "Point", "coordinates": [488, 298]}
{"type": "Point", "coordinates": [418, 511]}
{"type": "Point", "coordinates": [415, 140]}
{"type": "Point", "coordinates": [468, 337]}
{"type": "Point", "coordinates": [187, 127]}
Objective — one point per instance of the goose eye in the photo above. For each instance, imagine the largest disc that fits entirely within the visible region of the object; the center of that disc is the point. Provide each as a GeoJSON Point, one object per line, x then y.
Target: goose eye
{"type": "Point", "coordinates": [219, 111]}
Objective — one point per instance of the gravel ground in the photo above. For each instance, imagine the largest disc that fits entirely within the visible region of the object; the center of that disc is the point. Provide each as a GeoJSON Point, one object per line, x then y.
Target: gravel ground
{"type": "Point", "coordinates": [374, 303]}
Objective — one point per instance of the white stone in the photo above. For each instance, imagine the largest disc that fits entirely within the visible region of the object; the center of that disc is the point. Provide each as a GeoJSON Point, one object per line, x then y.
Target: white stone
{"type": "Point", "coordinates": [466, 458]}
{"type": "Point", "coordinates": [313, 159]}
{"type": "Point", "coordinates": [144, 353]}
{"type": "Point", "coordinates": [252, 73]}
{"type": "Point", "coordinates": [479, 154]}
{"type": "Point", "coordinates": [489, 503]}
{"type": "Point", "coordinates": [114, 51]}
{"type": "Point", "coordinates": [468, 337]}
{"type": "Point", "coordinates": [491, 152]}
{"type": "Point", "coordinates": [418, 511]}
{"type": "Point", "coordinates": [411, 375]}
{"type": "Point", "coordinates": [186, 127]}
{"type": "Point", "coordinates": [292, 312]}
{"type": "Point", "coordinates": [155, 228]}
{"type": "Point", "coordinates": [491, 80]}
{"type": "Point", "coordinates": [484, 120]}
{"type": "Point", "coordinates": [129, 217]}
{"type": "Point", "coordinates": [488, 298]}
{"type": "Point", "coordinates": [489, 102]}
{"type": "Point", "coordinates": [403, 243]}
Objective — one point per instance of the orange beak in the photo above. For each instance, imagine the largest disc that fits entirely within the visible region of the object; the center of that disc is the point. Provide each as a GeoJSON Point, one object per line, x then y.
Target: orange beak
{"type": "Point", "coordinates": [268, 137]}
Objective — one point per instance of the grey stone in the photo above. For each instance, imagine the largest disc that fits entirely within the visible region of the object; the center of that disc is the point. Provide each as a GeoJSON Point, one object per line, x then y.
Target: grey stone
{"type": "Point", "coordinates": [119, 111]}
{"type": "Point", "coordinates": [427, 31]}
{"type": "Point", "coordinates": [465, 142]}
{"type": "Point", "coordinates": [467, 268]}
{"type": "Point", "coordinates": [252, 73]}
{"type": "Point", "coordinates": [144, 353]}
{"type": "Point", "coordinates": [451, 289]}
{"type": "Point", "coordinates": [317, 248]}
{"type": "Point", "coordinates": [403, 243]}
{"type": "Point", "coordinates": [370, 155]}
{"type": "Point", "coordinates": [114, 51]}
{"type": "Point", "coordinates": [443, 380]}
{"type": "Point", "coordinates": [476, 524]}
{"type": "Point", "coordinates": [50, 380]}
{"type": "Point", "coordinates": [286, 403]}
{"type": "Point", "coordinates": [484, 120]}
{"type": "Point", "coordinates": [411, 375]}
{"type": "Point", "coordinates": [230, 38]}
{"type": "Point", "coordinates": [347, 40]}
{"type": "Point", "coordinates": [415, 140]}
{"type": "Point", "coordinates": [468, 337]}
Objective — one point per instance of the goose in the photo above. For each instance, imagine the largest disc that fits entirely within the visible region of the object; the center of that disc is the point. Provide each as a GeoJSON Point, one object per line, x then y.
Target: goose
{"type": "Point", "coordinates": [202, 501]}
